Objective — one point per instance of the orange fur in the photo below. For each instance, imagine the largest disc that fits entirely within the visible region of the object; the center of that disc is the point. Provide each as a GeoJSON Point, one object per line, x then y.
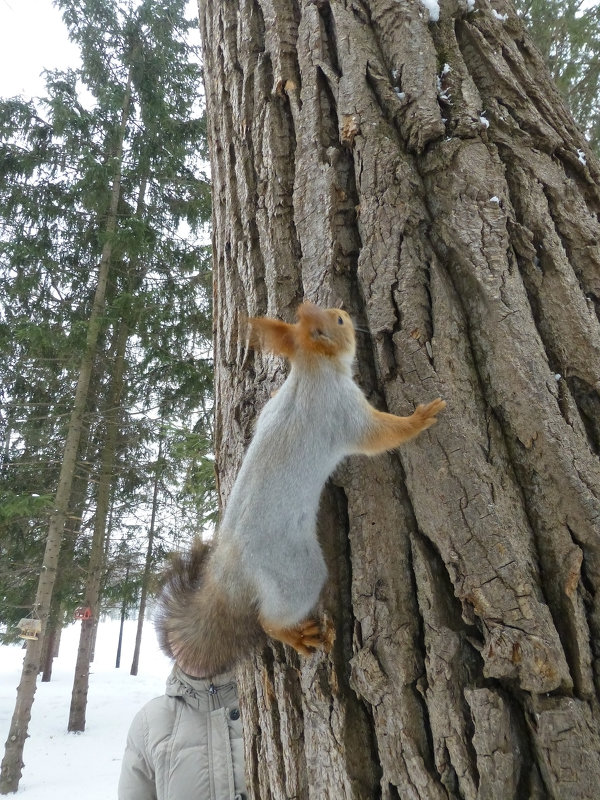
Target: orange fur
{"type": "Point", "coordinates": [388, 431]}
{"type": "Point", "coordinates": [318, 332]}
{"type": "Point", "coordinates": [273, 335]}
{"type": "Point", "coordinates": [305, 638]}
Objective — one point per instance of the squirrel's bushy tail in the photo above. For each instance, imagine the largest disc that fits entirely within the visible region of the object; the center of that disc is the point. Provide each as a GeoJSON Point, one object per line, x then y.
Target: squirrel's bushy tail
{"type": "Point", "coordinates": [197, 622]}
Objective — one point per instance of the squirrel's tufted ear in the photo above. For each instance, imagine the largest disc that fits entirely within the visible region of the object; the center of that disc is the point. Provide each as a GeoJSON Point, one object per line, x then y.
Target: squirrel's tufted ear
{"type": "Point", "coordinates": [273, 335]}
{"type": "Point", "coordinates": [310, 314]}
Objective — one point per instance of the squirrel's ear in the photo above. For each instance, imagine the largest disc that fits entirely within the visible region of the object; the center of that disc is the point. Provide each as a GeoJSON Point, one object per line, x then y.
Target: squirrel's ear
{"type": "Point", "coordinates": [273, 335]}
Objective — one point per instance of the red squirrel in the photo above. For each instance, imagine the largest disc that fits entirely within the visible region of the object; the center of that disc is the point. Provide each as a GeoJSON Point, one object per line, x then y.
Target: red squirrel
{"type": "Point", "coordinates": [265, 571]}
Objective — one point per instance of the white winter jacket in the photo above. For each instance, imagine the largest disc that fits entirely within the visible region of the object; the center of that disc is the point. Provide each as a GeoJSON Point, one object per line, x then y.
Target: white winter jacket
{"type": "Point", "coordinates": [187, 744]}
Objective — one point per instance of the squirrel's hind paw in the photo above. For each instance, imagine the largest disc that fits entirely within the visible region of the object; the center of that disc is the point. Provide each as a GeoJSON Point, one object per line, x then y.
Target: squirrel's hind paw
{"type": "Point", "coordinates": [305, 638]}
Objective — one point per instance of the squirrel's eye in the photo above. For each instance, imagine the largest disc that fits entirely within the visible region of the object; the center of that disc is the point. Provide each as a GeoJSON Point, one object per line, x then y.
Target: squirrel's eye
{"type": "Point", "coordinates": [340, 321]}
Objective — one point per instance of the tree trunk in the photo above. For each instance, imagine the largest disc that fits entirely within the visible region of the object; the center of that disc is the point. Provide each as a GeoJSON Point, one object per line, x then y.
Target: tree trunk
{"type": "Point", "coordinates": [71, 532]}
{"type": "Point", "coordinates": [99, 550]}
{"type": "Point", "coordinates": [135, 662]}
{"type": "Point", "coordinates": [12, 763]}
{"type": "Point", "coordinates": [51, 641]}
{"type": "Point", "coordinates": [427, 176]}
{"type": "Point", "coordinates": [122, 622]}
{"type": "Point", "coordinates": [97, 554]}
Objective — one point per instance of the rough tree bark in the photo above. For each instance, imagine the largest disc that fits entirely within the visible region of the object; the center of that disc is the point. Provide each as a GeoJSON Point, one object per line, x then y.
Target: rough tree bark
{"type": "Point", "coordinates": [428, 176]}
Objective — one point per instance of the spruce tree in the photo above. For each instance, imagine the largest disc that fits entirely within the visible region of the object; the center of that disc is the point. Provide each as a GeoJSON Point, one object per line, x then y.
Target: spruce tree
{"type": "Point", "coordinates": [117, 170]}
{"type": "Point", "coordinates": [568, 36]}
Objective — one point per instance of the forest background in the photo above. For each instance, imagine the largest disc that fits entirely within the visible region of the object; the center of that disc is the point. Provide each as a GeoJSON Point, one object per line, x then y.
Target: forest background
{"type": "Point", "coordinates": [141, 484]}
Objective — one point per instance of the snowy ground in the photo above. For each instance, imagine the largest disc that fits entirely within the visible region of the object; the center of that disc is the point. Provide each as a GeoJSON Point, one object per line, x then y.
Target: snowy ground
{"type": "Point", "coordinates": [60, 765]}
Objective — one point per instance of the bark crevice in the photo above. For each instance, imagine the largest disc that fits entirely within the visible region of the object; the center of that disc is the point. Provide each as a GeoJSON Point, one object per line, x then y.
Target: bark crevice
{"type": "Point", "coordinates": [464, 246]}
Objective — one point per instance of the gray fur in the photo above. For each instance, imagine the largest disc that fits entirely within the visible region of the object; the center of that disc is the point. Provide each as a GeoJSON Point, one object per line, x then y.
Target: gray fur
{"type": "Point", "coordinates": [266, 561]}
{"type": "Point", "coordinates": [314, 420]}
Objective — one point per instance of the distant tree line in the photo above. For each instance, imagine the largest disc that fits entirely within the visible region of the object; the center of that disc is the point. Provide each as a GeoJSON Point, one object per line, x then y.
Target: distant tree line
{"type": "Point", "coordinates": [105, 330]}
{"type": "Point", "coordinates": [58, 158]}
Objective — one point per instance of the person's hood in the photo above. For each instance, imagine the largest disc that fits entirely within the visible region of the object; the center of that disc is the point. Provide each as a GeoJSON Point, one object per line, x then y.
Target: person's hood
{"type": "Point", "coordinates": [201, 692]}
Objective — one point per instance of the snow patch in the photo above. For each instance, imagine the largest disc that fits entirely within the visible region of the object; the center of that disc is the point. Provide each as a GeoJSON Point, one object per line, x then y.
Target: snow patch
{"type": "Point", "coordinates": [60, 764]}
{"type": "Point", "coordinates": [444, 94]}
{"type": "Point", "coordinates": [501, 17]}
{"type": "Point", "coordinates": [434, 9]}
{"type": "Point", "coordinates": [581, 157]}
{"type": "Point", "coordinates": [495, 199]}
{"type": "Point", "coordinates": [485, 122]}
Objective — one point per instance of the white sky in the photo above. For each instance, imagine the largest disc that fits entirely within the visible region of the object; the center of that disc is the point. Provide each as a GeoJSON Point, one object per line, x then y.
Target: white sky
{"type": "Point", "coordinates": [32, 38]}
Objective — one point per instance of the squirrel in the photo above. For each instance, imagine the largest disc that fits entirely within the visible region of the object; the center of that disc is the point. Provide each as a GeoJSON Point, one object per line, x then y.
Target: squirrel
{"type": "Point", "coordinates": [265, 571]}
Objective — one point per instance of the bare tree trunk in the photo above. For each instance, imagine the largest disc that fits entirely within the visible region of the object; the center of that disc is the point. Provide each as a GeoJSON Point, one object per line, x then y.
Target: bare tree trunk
{"type": "Point", "coordinates": [70, 534]}
{"type": "Point", "coordinates": [427, 176]}
{"type": "Point", "coordinates": [12, 763]}
{"type": "Point", "coordinates": [89, 627]}
{"type": "Point", "coordinates": [97, 554]}
{"type": "Point", "coordinates": [122, 623]}
{"type": "Point", "coordinates": [51, 642]}
{"type": "Point", "coordinates": [147, 564]}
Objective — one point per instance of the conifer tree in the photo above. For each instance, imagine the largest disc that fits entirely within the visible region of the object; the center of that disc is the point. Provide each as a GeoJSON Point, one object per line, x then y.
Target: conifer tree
{"type": "Point", "coordinates": [567, 33]}
{"type": "Point", "coordinates": [117, 174]}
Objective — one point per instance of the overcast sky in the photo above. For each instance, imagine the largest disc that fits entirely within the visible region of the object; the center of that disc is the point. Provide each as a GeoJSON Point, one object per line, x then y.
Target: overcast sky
{"type": "Point", "coordinates": [32, 38]}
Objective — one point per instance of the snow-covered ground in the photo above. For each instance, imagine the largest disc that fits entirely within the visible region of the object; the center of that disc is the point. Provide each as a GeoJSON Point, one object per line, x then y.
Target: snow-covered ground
{"type": "Point", "coordinates": [61, 765]}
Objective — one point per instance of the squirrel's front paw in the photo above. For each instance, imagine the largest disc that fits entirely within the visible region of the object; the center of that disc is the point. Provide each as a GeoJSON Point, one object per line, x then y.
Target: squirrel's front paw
{"type": "Point", "coordinates": [427, 413]}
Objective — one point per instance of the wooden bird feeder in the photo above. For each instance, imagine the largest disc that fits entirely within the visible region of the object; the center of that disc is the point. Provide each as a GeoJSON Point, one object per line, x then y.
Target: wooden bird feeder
{"type": "Point", "coordinates": [30, 628]}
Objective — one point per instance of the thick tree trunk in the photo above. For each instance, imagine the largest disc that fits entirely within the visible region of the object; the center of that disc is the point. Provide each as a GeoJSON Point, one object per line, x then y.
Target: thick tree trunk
{"type": "Point", "coordinates": [12, 763]}
{"type": "Point", "coordinates": [427, 176]}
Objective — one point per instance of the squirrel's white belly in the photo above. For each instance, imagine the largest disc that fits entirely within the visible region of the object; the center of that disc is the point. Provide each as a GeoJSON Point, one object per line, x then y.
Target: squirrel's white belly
{"type": "Point", "coordinates": [271, 514]}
